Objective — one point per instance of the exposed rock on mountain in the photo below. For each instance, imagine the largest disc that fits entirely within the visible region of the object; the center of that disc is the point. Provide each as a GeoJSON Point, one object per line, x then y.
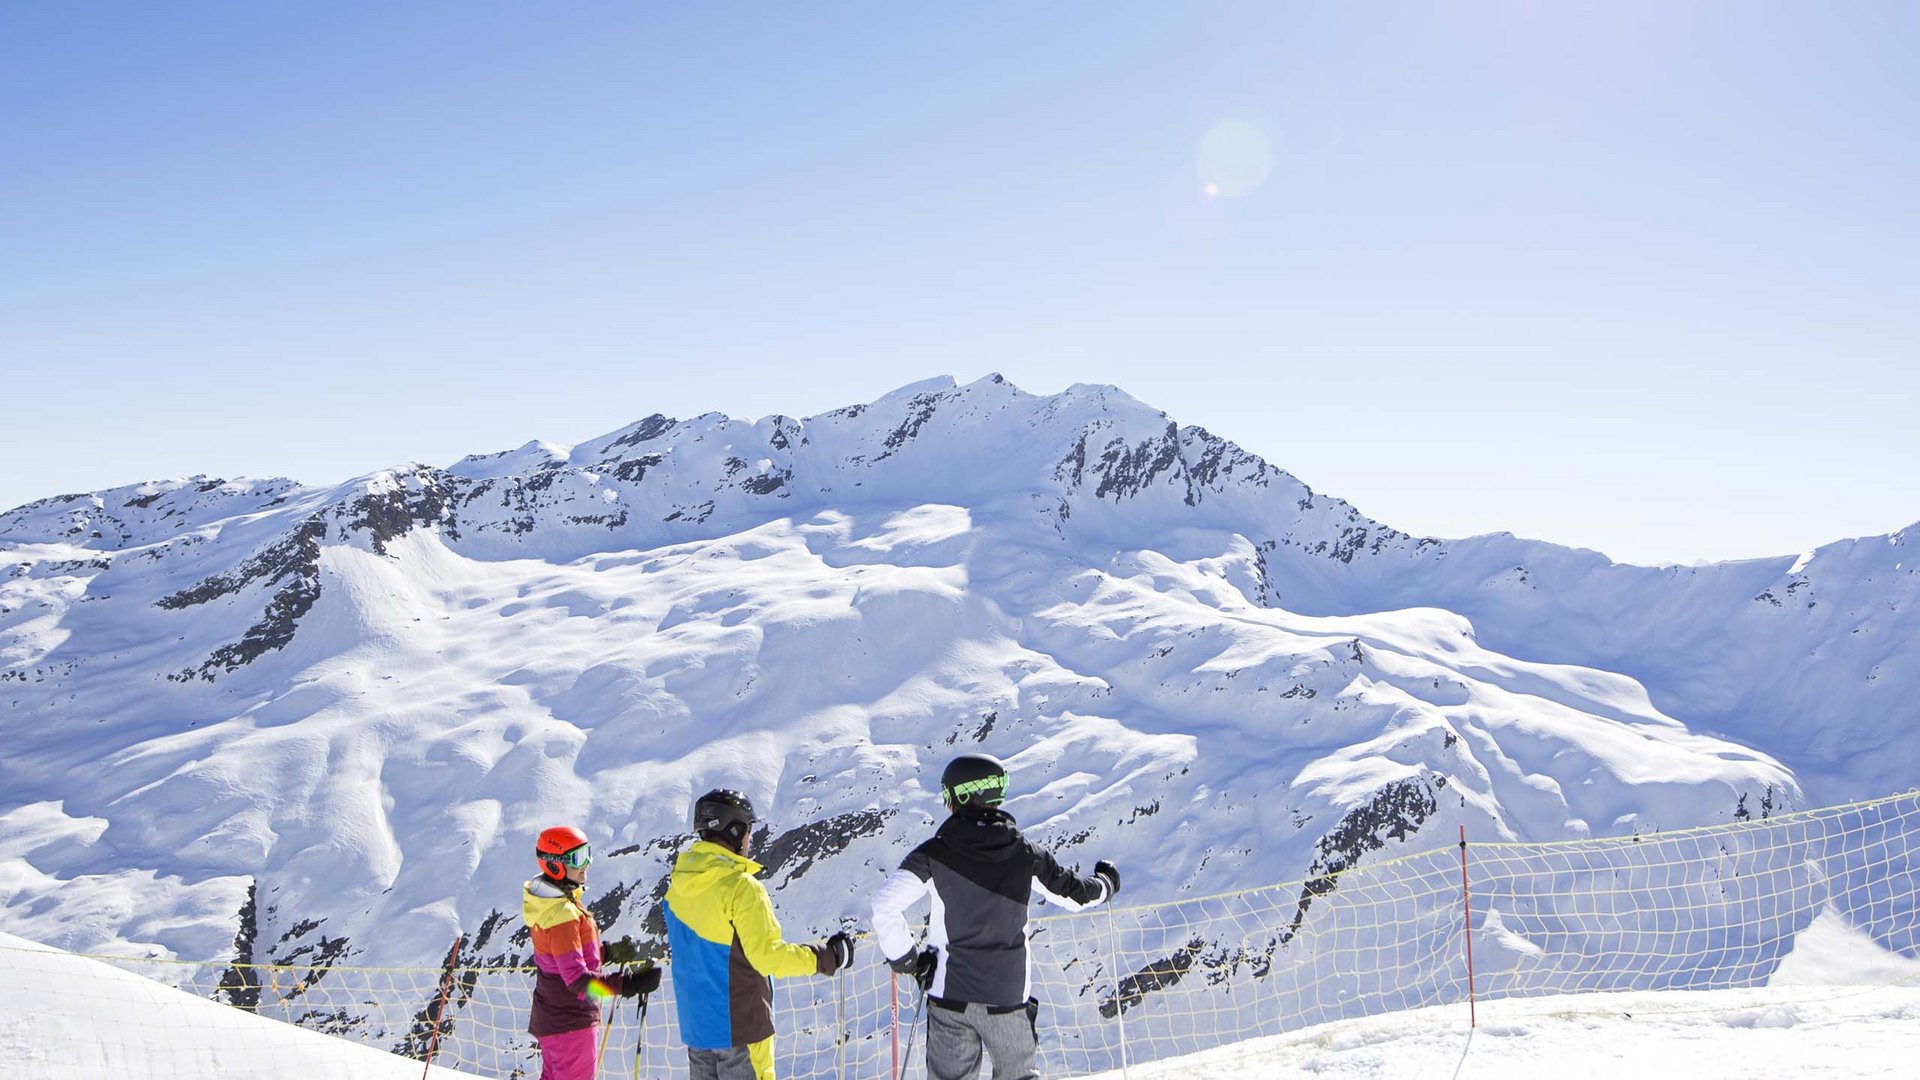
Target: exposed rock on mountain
{"type": "Point", "coordinates": [260, 706]}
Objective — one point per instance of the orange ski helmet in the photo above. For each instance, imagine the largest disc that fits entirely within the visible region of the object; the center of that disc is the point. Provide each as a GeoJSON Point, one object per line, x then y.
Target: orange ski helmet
{"type": "Point", "coordinates": [560, 847]}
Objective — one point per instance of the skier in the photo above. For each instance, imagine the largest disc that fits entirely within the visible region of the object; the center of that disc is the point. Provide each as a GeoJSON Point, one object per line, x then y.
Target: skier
{"type": "Point", "coordinates": [570, 982]}
{"type": "Point", "coordinates": [981, 874]}
{"type": "Point", "coordinates": [727, 946]}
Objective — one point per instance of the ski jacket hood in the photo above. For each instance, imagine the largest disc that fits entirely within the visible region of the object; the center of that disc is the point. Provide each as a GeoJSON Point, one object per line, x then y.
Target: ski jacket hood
{"type": "Point", "coordinates": [988, 835]}
{"type": "Point", "coordinates": [707, 865]}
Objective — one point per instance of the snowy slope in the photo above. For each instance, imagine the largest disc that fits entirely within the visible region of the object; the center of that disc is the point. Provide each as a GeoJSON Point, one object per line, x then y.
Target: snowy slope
{"type": "Point", "coordinates": [64, 1017]}
{"type": "Point", "coordinates": [1807, 656]}
{"type": "Point", "coordinates": [1763, 1034]}
{"type": "Point", "coordinates": [1838, 1006]}
{"type": "Point", "coordinates": [320, 724]}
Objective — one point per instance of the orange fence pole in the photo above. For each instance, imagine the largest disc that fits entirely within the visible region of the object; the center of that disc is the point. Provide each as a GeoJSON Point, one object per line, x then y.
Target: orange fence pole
{"type": "Point", "coordinates": [439, 1013]}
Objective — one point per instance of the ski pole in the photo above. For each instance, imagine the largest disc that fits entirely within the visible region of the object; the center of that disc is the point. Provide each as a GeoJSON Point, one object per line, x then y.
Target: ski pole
{"type": "Point", "coordinates": [606, 1029]}
{"type": "Point", "coordinates": [849, 924]}
{"type": "Point", "coordinates": [893, 989]}
{"type": "Point", "coordinates": [919, 1010]}
{"type": "Point", "coordinates": [640, 1040]}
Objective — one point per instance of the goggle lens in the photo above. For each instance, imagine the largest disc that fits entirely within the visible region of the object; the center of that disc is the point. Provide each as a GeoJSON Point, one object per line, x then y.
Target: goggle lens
{"type": "Point", "coordinates": [578, 857]}
{"type": "Point", "coordinates": [987, 789]}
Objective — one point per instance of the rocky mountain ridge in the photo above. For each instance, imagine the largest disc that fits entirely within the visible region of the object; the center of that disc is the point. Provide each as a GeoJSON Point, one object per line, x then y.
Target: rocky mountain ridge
{"type": "Point", "coordinates": [322, 719]}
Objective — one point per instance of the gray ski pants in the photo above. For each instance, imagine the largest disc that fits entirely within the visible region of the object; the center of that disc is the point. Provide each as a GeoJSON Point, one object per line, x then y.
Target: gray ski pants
{"type": "Point", "coordinates": [733, 1064]}
{"type": "Point", "coordinates": [955, 1038]}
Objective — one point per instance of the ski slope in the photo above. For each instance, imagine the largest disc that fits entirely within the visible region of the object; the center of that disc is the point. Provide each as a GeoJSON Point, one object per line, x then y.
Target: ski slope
{"type": "Point", "coordinates": [1766, 1034]}
{"type": "Point", "coordinates": [65, 1017]}
{"type": "Point", "coordinates": [1838, 1006]}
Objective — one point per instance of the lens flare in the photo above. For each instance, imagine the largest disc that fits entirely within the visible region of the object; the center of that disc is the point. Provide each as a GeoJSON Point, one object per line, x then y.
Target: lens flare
{"type": "Point", "coordinates": [1235, 158]}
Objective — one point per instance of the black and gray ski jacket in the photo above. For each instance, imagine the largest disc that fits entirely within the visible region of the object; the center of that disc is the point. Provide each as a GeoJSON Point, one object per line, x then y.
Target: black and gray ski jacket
{"type": "Point", "coordinates": [981, 875]}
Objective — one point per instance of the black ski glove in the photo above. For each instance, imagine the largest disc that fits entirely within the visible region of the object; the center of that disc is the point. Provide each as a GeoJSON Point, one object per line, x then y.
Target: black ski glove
{"type": "Point", "coordinates": [919, 964]}
{"type": "Point", "coordinates": [836, 952]}
{"type": "Point", "coordinates": [639, 980]}
{"type": "Point", "coordinates": [1110, 874]}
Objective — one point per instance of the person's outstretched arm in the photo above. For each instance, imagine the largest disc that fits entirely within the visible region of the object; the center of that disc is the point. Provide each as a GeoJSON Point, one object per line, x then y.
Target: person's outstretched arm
{"type": "Point", "coordinates": [760, 939]}
{"type": "Point", "coordinates": [901, 890]}
{"type": "Point", "coordinates": [1058, 885]}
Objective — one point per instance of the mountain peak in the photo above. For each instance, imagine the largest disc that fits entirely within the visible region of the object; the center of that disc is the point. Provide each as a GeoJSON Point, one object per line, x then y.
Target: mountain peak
{"type": "Point", "coordinates": [939, 384]}
{"type": "Point", "coordinates": [1138, 615]}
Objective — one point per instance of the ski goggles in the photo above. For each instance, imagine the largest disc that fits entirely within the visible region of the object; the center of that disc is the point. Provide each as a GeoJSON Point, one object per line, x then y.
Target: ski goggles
{"type": "Point", "coordinates": [577, 858]}
{"type": "Point", "coordinates": [993, 788]}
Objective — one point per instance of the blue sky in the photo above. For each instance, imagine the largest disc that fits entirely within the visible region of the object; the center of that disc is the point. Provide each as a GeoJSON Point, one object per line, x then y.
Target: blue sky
{"type": "Point", "coordinates": [1633, 276]}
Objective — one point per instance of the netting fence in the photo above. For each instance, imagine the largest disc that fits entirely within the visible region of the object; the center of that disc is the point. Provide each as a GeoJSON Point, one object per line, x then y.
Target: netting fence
{"type": "Point", "coordinates": [1706, 908]}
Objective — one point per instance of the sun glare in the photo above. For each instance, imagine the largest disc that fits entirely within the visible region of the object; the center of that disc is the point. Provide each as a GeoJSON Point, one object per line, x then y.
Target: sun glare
{"type": "Point", "coordinates": [1235, 158]}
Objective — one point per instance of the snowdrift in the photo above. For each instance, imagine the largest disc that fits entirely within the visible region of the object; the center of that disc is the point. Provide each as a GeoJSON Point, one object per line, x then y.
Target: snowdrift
{"type": "Point", "coordinates": [64, 1017]}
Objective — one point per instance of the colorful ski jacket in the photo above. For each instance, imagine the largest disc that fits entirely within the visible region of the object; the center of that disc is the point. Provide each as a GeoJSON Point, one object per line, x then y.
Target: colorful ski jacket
{"type": "Point", "coordinates": [726, 949]}
{"type": "Point", "coordinates": [566, 950]}
{"type": "Point", "coordinates": [981, 875]}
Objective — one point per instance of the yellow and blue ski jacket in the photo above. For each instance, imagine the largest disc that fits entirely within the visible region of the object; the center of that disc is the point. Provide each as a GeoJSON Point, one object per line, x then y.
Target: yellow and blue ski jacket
{"type": "Point", "coordinates": [726, 948]}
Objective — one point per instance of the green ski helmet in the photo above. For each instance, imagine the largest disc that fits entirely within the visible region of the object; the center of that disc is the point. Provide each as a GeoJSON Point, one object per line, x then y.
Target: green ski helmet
{"type": "Point", "coordinates": [974, 780]}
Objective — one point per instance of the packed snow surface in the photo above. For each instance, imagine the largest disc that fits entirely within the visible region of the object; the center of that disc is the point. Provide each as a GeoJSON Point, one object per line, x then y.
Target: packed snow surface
{"type": "Point", "coordinates": [65, 1017]}
{"type": "Point", "coordinates": [1762, 1034]}
{"type": "Point", "coordinates": [1838, 1006]}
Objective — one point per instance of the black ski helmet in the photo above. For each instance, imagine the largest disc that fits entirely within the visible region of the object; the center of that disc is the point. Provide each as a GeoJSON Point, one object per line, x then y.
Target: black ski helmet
{"type": "Point", "coordinates": [724, 815]}
{"type": "Point", "coordinates": [974, 780]}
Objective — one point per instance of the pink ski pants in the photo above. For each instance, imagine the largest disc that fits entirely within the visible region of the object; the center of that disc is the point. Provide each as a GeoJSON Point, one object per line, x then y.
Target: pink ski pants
{"type": "Point", "coordinates": [569, 1055]}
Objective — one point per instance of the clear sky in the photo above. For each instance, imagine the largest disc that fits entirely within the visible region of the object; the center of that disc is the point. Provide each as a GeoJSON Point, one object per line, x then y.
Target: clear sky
{"type": "Point", "coordinates": [1643, 277]}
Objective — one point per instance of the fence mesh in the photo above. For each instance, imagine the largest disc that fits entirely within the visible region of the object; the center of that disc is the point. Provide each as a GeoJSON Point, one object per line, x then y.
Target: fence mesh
{"type": "Point", "coordinates": [1703, 908]}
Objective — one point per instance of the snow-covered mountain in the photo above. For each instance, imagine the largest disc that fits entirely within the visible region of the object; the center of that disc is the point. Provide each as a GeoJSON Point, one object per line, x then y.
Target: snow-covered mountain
{"type": "Point", "coordinates": [322, 723]}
